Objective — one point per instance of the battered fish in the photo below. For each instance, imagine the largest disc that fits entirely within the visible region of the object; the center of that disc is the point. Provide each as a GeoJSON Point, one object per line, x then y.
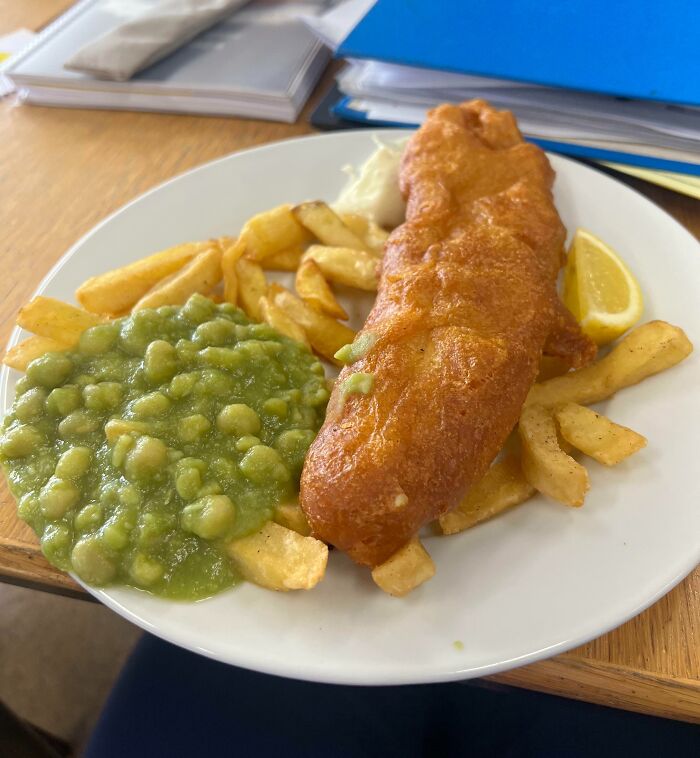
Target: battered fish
{"type": "Point", "coordinates": [466, 305]}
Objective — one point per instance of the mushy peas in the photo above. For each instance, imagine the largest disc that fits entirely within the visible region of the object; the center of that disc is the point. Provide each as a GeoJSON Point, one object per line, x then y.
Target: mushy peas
{"type": "Point", "coordinates": [138, 455]}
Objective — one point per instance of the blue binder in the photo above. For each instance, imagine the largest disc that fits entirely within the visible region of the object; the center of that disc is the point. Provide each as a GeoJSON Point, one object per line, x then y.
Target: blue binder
{"type": "Point", "coordinates": [631, 48]}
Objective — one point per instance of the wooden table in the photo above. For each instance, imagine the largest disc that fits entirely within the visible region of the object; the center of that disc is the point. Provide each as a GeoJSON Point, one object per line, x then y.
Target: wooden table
{"type": "Point", "coordinates": [62, 171]}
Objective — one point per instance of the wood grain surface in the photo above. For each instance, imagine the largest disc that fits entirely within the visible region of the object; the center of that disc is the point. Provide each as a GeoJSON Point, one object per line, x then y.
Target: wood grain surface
{"type": "Point", "coordinates": [62, 171]}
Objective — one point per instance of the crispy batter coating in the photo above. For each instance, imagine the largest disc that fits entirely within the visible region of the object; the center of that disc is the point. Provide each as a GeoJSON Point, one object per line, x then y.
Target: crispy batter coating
{"type": "Point", "coordinates": [466, 304]}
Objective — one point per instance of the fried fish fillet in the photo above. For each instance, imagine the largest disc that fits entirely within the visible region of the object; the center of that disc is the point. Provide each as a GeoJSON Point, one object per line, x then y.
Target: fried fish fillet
{"type": "Point", "coordinates": [466, 305]}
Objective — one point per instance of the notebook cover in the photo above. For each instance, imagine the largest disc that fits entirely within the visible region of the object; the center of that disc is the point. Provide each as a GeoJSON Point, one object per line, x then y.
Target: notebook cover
{"type": "Point", "coordinates": [631, 48]}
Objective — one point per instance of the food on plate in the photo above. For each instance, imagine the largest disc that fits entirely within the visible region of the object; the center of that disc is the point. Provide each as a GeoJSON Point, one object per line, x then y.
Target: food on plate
{"type": "Point", "coordinates": [23, 353]}
{"type": "Point", "coordinates": [646, 350]}
{"type": "Point", "coordinates": [313, 288]}
{"type": "Point", "coordinates": [503, 486]}
{"type": "Point", "coordinates": [374, 192]}
{"type": "Point", "coordinates": [279, 320]}
{"type": "Point", "coordinates": [115, 292]}
{"type": "Point", "coordinates": [546, 466]}
{"type": "Point", "coordinates": [279, 558]}
{"type": "Point", "coordinates": [466, 302]}
{"type": "Point", "coordinates": [252, 285]}
{"type": "Point", "coordinates": [343, 265]}
{"type": "Point", "coordinates": [56, 320]}
{"type": "Point", "coordinates": [287, 260]}
{"type": "Point", "coordinates": [596, 435]}
{"type": "Point", "coordinates": [272, 232]}
{"type": "Point", "coordinates": [406, 569]}
{"type": "Point", "coordinates": [163, 449]}
{"type": "Point", "coordinates": [325, 334]}
{"type": "Point", "coordinates": [143, 455]}
{"type": "Point", "coordinates": [200, 275]}
{"type": "Point", "coordinates": [600, 290]}
{"type": "Point", "coordinates": [327, 226]}
{"type": "Point", "coordinates": [374, 235]}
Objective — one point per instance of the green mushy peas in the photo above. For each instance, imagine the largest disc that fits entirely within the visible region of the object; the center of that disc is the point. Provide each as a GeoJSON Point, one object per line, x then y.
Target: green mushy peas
{"type": "Point", "coordinates": [138, 455]}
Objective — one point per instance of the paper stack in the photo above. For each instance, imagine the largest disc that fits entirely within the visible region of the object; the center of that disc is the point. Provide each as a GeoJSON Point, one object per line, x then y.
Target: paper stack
{"type": "Point", "coordinates": [652, 122]}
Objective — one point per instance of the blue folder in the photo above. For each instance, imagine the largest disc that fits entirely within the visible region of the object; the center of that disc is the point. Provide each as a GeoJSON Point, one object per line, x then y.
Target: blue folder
{"type": "Point", "coordinates": [644, 49]}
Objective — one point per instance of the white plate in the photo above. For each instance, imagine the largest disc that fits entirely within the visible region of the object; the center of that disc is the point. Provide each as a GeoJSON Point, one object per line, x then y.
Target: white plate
{"type": "Point", "coordinates": [534, 582]}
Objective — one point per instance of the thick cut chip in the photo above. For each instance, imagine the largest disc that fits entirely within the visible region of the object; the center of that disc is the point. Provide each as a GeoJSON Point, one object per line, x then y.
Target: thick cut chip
{"type": "Point", "coordinates": [23, 353]}
{"type": "Point", "coordinates": [115, 292]}
{"type": "Point", "coordinates": [279, 320]}
{"type": "Point", "coordinates": [343, 265]}
{"type": "Point", "coordinates": [252, 285]}
{"type": "Point", "coordinates": [407, 569]}
{"type": "Point", "coordinates": [200, 275]}
{"type": "Point", "coordinates": [328, 228]}
{"type": "Point", "coordinates": [503, 486]}
{"type": "Point", "coordinates": [646, 350]}
{"type": "Point", "coordinates": [55, 319]}
{"type": "Point", "coordinates": [291, 516]}
{"type": "Point", "coordinates": [315, 290]}
{"type": "Point", "coordinates": [374, 236]}
{"type": "Point", "coordinates": [545, 465]}
{"type": "Point", "coordinates": [325, 334]}
{"type": "Point", "coordinates": [229, 259]}
{"type": "Point", "coordinates": [596, 435]}
{"type": "Point", "coordinates": [280, 559]}
{"type": "Point", "coordinates": [271, 232]}
{"type": "Point", "coordinates": [286, 260]}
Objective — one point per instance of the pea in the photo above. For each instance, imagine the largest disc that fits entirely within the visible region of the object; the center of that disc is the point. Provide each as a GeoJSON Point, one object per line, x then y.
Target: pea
{"type": "Point", "coordinates": [145, 571]}
{"type": "Point", "coordinates": [220, 331]}
{"type": "Point", "coordinates": [121, 448]}
{"type": "Point", "coordinates": [136, 331]}
{"type": "Point", "coordinates": [160, 363]}
{"type": "Point", "coordinates": [88, 517]}
{"type": "Point", "coordinates": [102, 396]}
{"type": "Point", "coordinates": [153, 404]}
{"type": "Point", "coordinates": [188, 483]}
{"type": "Point", "coordinates": [20, 441]}
{"type": "Point", "coordinates": [191, 428]}
{"type": "Point", "coordinates": [198, 463]}
{"type": "Point", "coordinates": [91, 561]}
{"type": "Point", "coordinates": [272, 348]}
{"type": "Point", "coordinates": [182, 385]}
{"type": "Point", "coordinates": [28, 507]}
{"type": "Point", "coordinates": [130, 496]}
{"type": "Point", "coordinates": [78, 422]}
{"type": "Point", "coordinates": [223, 357]}
{"type": "Point", "coordinates": [153, 526]}
{"type": "Point", "coordinates": [316, 396]}
{"type": "Point", "coordinates": [261, 463]}
{"type": "Point", "coordinates": [198, 309]}
{"type": "Point", "coordinates": [293, 445]}
{"type": "Point", "coordinates": [253, 350]}
{"type": "Point", "coordinates": [50, 370]}
{"type": "Point", "coordinates": [187, 352]}
{"type": "Point", "coordinates": [98, 339]}
{"type": "Point", "coordinates": [30, 405]}
{"type": "Point", "coordinates": [57, 497]}
{"type": "Point", "coordinates": [275, 406]}
{"type": "Point", "coordinates": [210, 517]}
{"type": "Point", "coordinates": [22, 385]}
{"type": "Point", "coordinates": [145, 459]}
{"type": "Point", "coordinates": [63, 400]}
{"type": "Point", "coordinates": [55, 544]}
{"type": "Point", "coordinates": [211, 487]}
{"type": "Point", "coordinates": [74, 463]}
{"type": "Point", "coordinates": [217, 383]}
{"type": "Point", "coordinates": [115, 536]}
{"type": "Point", "coordinates": [239, 419]}
{"type": "Point", "coordinates": [244, 443]}
{"type": "Point", "coordinates": [317, 368]}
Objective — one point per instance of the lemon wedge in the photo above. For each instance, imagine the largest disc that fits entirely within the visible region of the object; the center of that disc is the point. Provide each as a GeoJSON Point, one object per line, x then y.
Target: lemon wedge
{"type": "Point", "coordinates": [600, 290]}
